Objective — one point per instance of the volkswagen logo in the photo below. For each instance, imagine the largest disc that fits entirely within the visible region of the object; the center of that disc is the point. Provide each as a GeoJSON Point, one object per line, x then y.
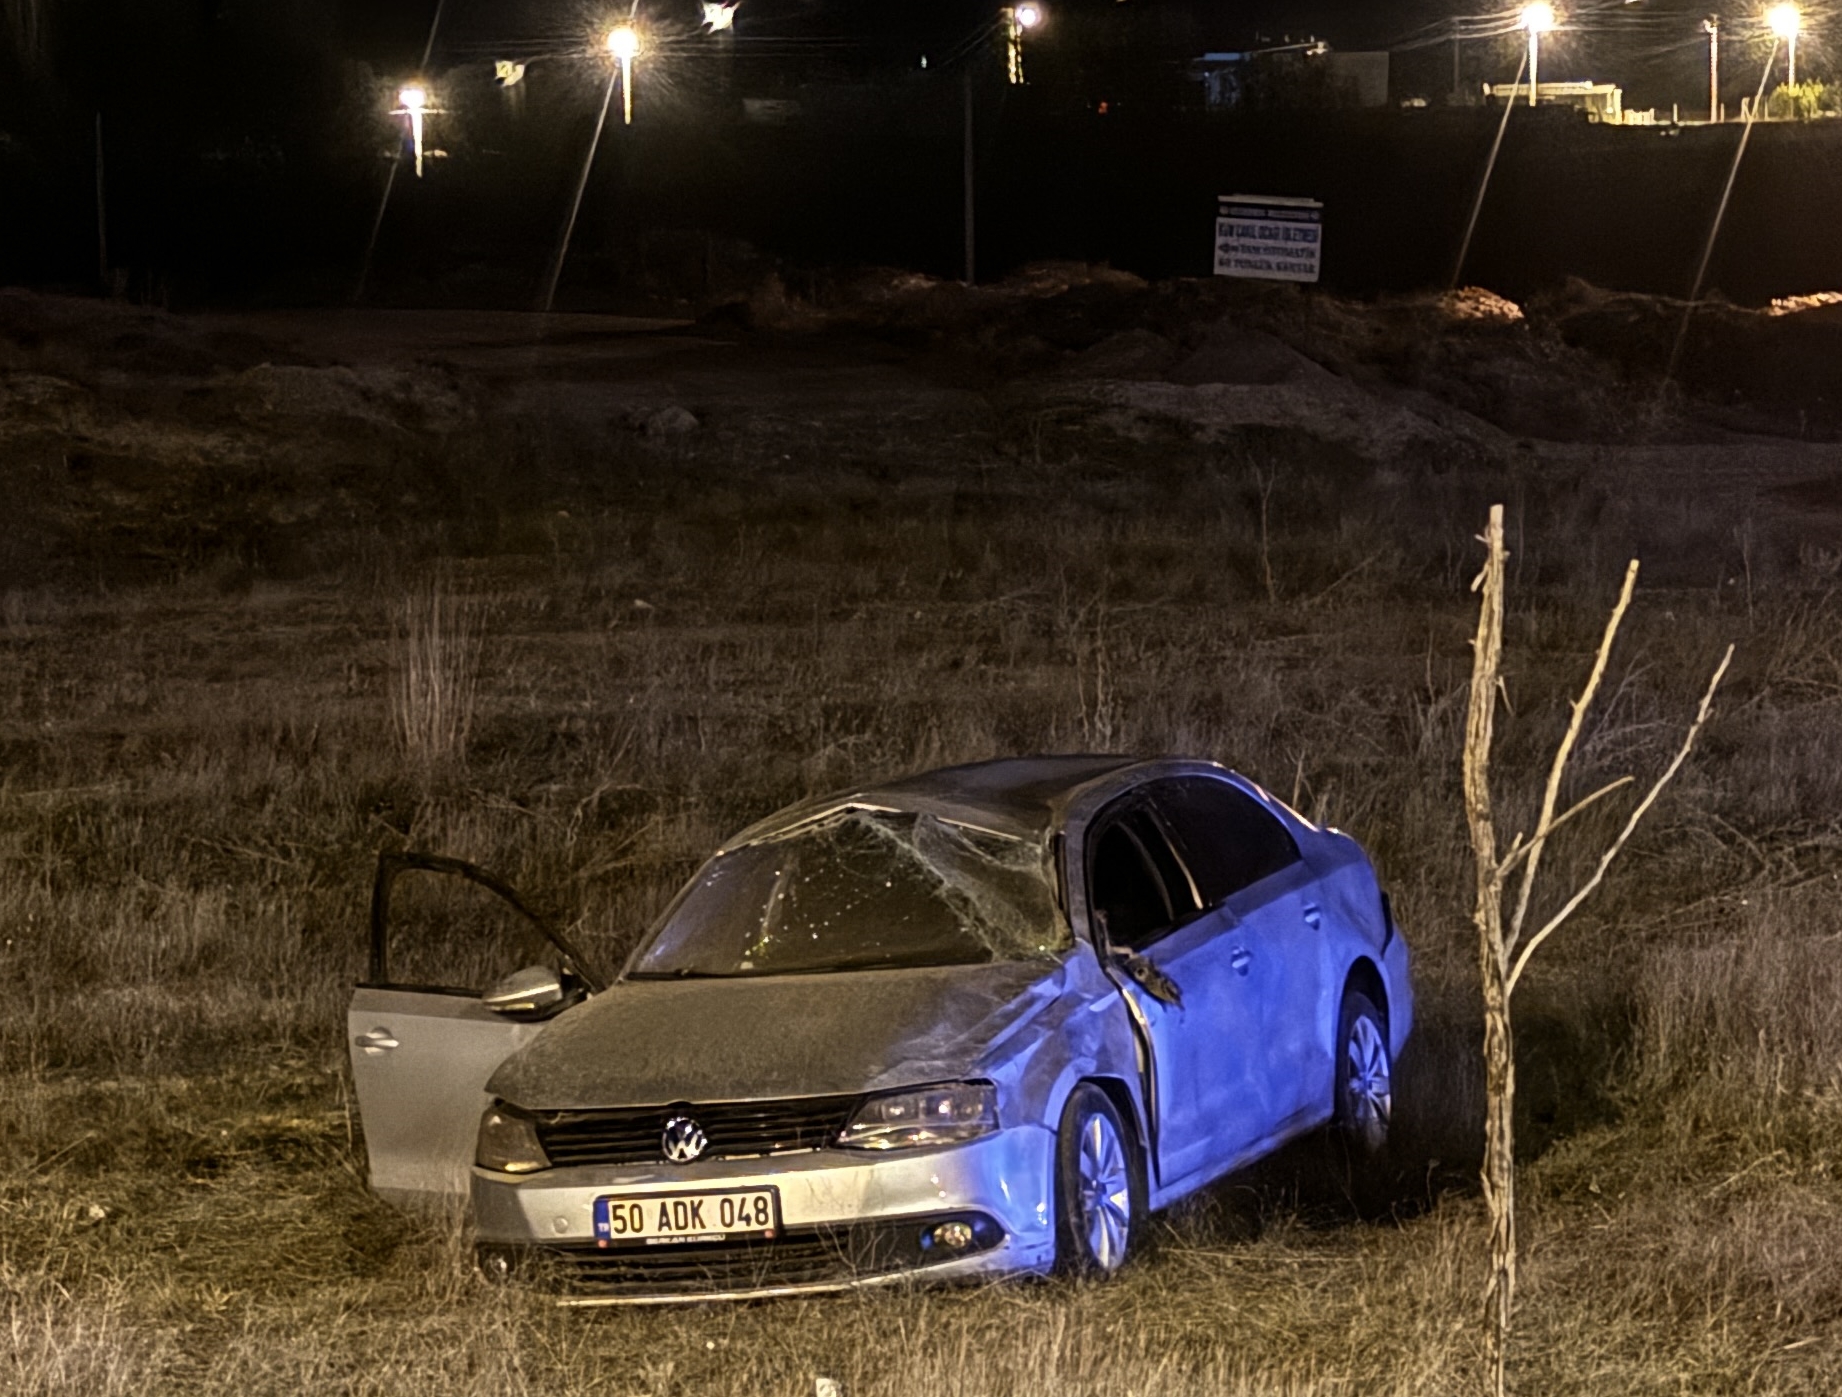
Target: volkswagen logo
{"type": "Point", "coordinates": [683, 1140]}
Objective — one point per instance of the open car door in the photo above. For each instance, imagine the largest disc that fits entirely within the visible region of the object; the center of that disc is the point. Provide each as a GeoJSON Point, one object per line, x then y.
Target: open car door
{"type": "Point", "coordinates": [459, 979]}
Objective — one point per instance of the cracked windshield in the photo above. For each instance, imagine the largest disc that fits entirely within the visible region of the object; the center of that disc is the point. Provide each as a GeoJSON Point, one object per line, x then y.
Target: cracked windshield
{"type": "Point", "coordinates": [861, 889]}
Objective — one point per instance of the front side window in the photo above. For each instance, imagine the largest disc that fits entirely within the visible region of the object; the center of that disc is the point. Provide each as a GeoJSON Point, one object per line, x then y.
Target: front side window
{"type": "Point", "coordinates": [861, 889]}
{"type": "Point", "coordinates": [1139, 888]}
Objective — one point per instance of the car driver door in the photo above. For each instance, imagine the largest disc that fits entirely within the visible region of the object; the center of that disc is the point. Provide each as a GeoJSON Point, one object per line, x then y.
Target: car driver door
{"type": "Point", "coordinates": [437, 1012]}
{"type": "Point", "coordinates": [1247, 864]}
{"type": "Point", "coordinates": [1196, 1004]}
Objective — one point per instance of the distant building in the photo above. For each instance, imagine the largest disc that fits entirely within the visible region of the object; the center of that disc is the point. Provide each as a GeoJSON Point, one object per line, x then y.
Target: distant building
{"type": "Point", "coordinates": [1601, 101]}
{"type": "Point", "coordinates": [1307, 73]}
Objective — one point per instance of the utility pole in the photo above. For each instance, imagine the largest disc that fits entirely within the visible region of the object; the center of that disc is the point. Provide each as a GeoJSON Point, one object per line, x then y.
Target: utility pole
{"type": "Point", "coordinates": [971, 241]}
{"type": "Point", "coordinates": [1538, 19]}
{"type": "Point", "coordinates": [1456, 60]}
{"type": "Point", "coordinates": [102, 214]}
{"type": "Point", "coordinates": [1711, 26]}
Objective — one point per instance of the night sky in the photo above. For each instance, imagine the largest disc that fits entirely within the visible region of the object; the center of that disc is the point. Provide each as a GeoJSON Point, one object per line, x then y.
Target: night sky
{"type": "Point", "coordinates": [1654, 47]}
{"type": "Point", "coordinates": [390, 28]}
{"type": "Point", "coordinates": [256, 129]}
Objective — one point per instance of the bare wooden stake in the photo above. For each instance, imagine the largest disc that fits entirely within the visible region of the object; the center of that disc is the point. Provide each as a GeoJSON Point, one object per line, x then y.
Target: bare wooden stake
{"type": "Point", "coordinates": [1499, 1173]}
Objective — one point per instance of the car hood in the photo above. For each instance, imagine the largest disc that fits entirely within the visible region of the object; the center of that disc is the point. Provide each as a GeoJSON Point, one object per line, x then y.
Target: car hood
{"type": "Point", "coordinates": [651, 1042]}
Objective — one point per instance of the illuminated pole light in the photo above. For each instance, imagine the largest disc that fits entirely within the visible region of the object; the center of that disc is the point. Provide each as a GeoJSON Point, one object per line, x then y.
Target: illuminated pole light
{"type": "Point", "coordinates": [719, 15]}
{"type": "Point", "coordinates": [413, 101]}
{"type": "Point", "coordinates": [1538, 20]}
{"type": "Point", "coordinates": [1017, 19]}
{"type": "Point", "coordinates": [1785, 22]}
{"type": "Point", "coordinates": [1711, 27]}
{"type": "Point", "coordinates": [624, 44]}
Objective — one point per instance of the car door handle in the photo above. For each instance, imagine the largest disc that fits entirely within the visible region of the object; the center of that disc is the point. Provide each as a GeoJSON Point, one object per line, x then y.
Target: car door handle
{"type": "Point", "coordinates": [1241, 959]}
{"type": "Point", "coordinates": [1313, 918]}
{"type": "Point", "coordinates": [378, 1040]}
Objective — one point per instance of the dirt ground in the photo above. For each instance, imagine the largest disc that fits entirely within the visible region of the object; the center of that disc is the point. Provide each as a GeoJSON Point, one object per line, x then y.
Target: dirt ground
{"type": "Point", "coordinates": [130, 401]}
{"type": "Point", "coordinates": [704, 567]}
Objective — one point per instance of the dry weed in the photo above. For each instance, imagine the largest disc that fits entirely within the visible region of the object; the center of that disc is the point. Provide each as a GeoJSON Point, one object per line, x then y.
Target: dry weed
{"type": "Point", "coordinates": [197, 779]}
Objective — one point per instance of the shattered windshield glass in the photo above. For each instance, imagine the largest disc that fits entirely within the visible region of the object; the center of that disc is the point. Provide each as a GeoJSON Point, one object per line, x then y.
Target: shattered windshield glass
{"type": "Point", "coordinates": [859, 889]}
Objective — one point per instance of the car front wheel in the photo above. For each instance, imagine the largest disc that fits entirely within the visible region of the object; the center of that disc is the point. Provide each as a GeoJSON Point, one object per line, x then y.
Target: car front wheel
{"type": "Point", "coordinates": [1365, 1075]}
{"type": "Point", "coordinates": [1100, 1186]}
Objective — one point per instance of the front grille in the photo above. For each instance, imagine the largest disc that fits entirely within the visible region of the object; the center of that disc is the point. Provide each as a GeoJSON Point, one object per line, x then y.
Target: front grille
{"type": "Point", "coordinates": [828, 1256]}
{"type": "Point", "coordinates": [734, 1129]}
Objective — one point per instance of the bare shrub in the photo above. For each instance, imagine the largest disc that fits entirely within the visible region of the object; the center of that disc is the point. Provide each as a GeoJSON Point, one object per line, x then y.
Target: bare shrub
{"type": "Point", "coordinates": [436, 642]}
{"type": "Point", "coordinates": [1503, 953]}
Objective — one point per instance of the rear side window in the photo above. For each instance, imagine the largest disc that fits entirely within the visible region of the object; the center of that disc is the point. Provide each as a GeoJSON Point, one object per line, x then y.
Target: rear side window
{"type": "Point", "coordinates": [1226, 838]}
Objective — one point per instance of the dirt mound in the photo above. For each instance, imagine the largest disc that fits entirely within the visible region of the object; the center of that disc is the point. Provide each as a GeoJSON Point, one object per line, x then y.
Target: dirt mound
{"type": "Point", "coordinates": [1137, 353]}
{"type": "Point", "coordinates": [1231, 353]}
{"type": "Point", "coordinates": [71, 337]}
{"type": "Point", "coordinates": [1781, 359]}
{"type": "Point", "coordinates": [1475, 303]}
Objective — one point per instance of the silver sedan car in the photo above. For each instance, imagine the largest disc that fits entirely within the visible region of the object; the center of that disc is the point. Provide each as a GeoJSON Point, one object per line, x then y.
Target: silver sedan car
{"type": "Point", "coordinates": [969, 1023]}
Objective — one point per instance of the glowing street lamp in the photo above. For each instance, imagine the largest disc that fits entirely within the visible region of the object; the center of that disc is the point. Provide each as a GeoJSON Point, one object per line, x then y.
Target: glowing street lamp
{"type": "Point", "coordinates": [1538, 20]}
{"type": "Point", "coordinates": [1786, 22]}
{"type": "Point", "coordinates": [1711, 27]}
{"type": "Point", "coordinates": [413, 102]}
{"type": "Point", "coordinates": [624, 45]}
{"type": "Point", "coordinates": [1017, 19]}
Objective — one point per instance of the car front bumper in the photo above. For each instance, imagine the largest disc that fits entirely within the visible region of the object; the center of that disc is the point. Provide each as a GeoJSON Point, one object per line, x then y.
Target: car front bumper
{"type": "Point", "coordinates": [848, 1218]}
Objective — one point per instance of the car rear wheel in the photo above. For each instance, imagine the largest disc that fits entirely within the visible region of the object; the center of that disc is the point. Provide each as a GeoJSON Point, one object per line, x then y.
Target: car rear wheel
{"type": "Point", "coordinates": [1100, 1186]}
{"type": "Point", "coordinates": [1365, 1075]}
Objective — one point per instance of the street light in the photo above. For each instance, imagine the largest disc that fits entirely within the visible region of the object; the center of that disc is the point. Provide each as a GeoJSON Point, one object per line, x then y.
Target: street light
{"type": "Point", "coordinates": [1711, 27]}
{"type": "Point", "coordinates": [624, 44]}
{"type": "Point", "coordinates": [1538, 20]}
{"type": "Point", "coordinates": [1785, 22]}
{"type": "Point", "coordinates": [1017, 19]}
{"type": "Point", "coordinates": [412, 102]}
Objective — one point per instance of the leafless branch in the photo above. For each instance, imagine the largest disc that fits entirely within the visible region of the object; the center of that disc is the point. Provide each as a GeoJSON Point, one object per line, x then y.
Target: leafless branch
{"type": "Point", "coordinates": [1643, 806]}
{"type": "Point", "coordinates": [1519, 850]}
{"type": "Point", "coordinates": [1545, 825]}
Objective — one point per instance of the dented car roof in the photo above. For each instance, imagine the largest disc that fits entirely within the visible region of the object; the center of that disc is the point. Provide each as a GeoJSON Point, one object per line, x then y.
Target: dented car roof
{"type": "Point", "coordinates": [1020, 796]}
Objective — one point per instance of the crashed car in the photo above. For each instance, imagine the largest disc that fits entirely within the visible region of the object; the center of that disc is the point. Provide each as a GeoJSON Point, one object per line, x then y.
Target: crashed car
{"type": "Point", "coordinates": [970, 1023]}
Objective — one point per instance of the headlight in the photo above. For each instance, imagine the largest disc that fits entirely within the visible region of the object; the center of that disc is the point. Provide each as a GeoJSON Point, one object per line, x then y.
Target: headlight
{"type": "Point", "coordinates": [508, 1141]}
{"type": "Point", "coordinates": [928, 1116]}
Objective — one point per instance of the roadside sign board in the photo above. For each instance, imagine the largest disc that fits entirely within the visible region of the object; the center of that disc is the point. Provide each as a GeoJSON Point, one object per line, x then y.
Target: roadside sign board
{"type": "Point", "coordinates": [1271, 237]}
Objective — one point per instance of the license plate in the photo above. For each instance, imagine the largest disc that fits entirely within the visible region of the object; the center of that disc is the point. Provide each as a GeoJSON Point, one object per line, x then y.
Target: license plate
{"type": "Point", "coordinates": [662, 1219]}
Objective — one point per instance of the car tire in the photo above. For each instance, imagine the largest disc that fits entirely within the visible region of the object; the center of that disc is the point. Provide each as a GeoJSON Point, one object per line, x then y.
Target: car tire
{"type": "Point", "coordinates": [1365, 1077]}
{"type": "Point", "coordinates": [1099, 1186]}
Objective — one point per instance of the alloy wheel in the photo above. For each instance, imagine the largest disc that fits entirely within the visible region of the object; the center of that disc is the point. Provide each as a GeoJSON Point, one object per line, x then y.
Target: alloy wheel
{"type": "Point", "coordinates": [1368, 1085]}
{"type": "Point", "coordinates": [1105, 1192]}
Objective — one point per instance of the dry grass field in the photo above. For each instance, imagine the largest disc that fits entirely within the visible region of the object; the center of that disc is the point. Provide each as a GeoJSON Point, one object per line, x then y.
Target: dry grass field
{"type": "Point", "coordinates": [259, 621]}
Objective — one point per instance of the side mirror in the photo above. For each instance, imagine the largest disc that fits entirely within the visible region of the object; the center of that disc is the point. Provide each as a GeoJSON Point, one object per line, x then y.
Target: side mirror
{"type": "Point", "coordinates": [526, 994]}
{"type": "Point", "coordinates": [1149, 978]}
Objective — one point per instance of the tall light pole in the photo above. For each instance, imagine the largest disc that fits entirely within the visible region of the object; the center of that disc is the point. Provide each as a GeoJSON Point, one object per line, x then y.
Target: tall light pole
{"type": "Point", "coordinates": [624, 44]}
{"type": "Point", "coordinates": [413, 102]}
{"type": "Point", "coordinates": [1711, 27]}
{"type": "Point", "coordinates": [1017, 20]}
{"type": "Point", "coordinates": [1538, 20]}
{"type": "Point", "coordinates": [1785, 21]}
